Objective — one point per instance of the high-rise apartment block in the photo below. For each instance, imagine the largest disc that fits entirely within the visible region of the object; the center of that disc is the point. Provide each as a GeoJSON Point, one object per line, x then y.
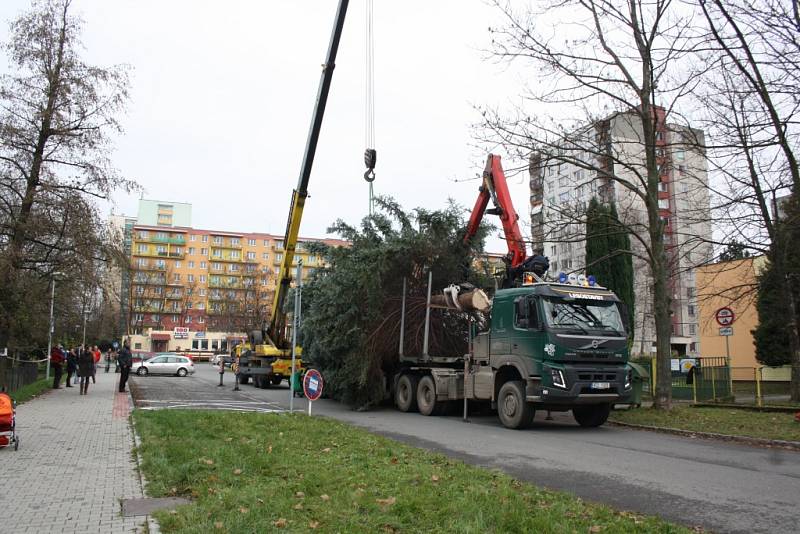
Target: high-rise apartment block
{"type": "Point", "coordinates": [606, 160]}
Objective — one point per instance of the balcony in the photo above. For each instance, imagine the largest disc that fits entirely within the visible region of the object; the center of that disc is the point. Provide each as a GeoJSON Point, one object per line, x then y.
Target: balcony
{"type": "Point", "coordinates": [172, 240]}
{"type": "Point", "coordinates": [225, 285]}
{"type": "Point", "coordinates": [148, 308]}
{"type": "Point", "coordinates": [174, 295]}
{"type": "Point", "coordinates": [149, 267]}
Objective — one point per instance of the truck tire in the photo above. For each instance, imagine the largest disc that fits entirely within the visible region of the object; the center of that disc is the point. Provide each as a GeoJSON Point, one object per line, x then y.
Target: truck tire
{"type": "Point", "coordinates": [276, 380]}
{"type": "Point", "coordinates": [405, 395]}
{"type": "Point", "coordinates": [260, 381]}
{"type": "Point", "coordinates": [512, 408]}
{"type": "Point", "coordinates": [591, 415]}
{"type": "Point", "coordinates": [426, 397]}
{"type": "Point", "coordinates": [244, 379]}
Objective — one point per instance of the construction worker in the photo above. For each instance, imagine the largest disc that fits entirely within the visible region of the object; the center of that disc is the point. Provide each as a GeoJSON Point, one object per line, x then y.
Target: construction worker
{"type": "Point", "coordinates": [235, 369]}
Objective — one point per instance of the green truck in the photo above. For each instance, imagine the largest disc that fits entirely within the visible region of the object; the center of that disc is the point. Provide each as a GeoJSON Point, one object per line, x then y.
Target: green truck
{"type": "Point", "coordinates": [556, 346]}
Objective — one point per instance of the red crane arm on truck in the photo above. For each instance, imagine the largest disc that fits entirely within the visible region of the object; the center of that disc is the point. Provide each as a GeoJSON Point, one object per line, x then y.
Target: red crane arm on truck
{"type": "Point", "coordinates": [495, 188]}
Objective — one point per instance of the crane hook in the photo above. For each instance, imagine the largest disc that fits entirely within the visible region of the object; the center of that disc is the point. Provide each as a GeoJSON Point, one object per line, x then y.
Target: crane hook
{"type": "Point", "coordinates": [370, 159]}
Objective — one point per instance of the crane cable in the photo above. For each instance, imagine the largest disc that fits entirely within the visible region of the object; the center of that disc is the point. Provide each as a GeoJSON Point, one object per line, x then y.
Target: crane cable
{"type": "Point", "coordinates": [370, 154]}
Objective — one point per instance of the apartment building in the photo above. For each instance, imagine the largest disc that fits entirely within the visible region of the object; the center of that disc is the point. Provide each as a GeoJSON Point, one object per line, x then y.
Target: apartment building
{"type": "Point", "coordinates": [598, 161]}
{"type": "Point", "coordinates": [191, 284]}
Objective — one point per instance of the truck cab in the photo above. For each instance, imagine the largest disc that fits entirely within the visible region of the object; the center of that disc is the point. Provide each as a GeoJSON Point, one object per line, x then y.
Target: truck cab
{"type": "Point", "coordinates": [566, 343]}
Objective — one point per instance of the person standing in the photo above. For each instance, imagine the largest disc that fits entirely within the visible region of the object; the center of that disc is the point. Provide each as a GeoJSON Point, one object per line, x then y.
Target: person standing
{"type": "Point", "coordinates": [125, 362]}
{"type": "Point", "coordinates": [72, 366]}
{"type": "Point", "coordinates": [57, 360]}
{"type": "Point", "coordinates": [95, 360]}
{"type": "Point", "coordinates": [221, 369]}
{"type": "Point", "coordinates": [85, 368]}
{"type": "Point", "coordinates": [108, 360]}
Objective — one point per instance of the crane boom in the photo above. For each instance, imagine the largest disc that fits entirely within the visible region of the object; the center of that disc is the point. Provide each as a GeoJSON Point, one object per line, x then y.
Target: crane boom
{"type": "Point", "coordinates": [495, 188]}
{"type": "Point", "coordinates": [276, 330]}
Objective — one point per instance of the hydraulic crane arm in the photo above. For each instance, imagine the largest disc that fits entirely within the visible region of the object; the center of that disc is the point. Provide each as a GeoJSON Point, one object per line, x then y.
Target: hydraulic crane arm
{"type": "Point", "coordinates": [495, 187]}
{"type": "Point", "coordinates": [276, 330]}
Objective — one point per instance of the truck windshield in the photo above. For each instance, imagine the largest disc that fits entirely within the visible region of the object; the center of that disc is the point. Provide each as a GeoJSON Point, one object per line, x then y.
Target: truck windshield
{"type": "Point", "coordinates": [584, 316]}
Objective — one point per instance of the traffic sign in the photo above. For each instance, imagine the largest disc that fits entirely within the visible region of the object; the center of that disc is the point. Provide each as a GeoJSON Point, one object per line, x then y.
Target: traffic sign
{"type": "Point", "coordinates": [312, 384]}
{"type": "Point", "coordinates": [726, 331]}
{"type": "Point", "coordinates": [725, 316]}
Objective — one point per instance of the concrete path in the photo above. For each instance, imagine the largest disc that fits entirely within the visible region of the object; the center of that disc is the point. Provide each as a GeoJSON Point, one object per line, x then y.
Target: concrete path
{"type": "Point", "coordinates": [74, 463]}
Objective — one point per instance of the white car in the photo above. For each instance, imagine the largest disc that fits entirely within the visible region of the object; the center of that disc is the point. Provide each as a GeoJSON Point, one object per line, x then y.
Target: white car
{"type": "Point", "coordinates": [166, 364]}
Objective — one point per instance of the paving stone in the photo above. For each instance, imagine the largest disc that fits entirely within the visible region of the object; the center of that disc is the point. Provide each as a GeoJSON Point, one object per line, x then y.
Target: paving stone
{"type": "Point", "coordinates": [74, 464]}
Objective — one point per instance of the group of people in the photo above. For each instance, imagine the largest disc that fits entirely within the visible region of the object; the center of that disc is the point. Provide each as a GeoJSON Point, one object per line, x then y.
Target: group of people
{"type": "Point", "coordinates": [80, 362]}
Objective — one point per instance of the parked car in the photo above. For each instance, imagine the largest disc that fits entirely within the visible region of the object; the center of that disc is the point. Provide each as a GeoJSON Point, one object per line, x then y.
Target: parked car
{"type": "Point", "coordinates": [214, 360]}
{"type": "Point", "coordinates": [166, 363]}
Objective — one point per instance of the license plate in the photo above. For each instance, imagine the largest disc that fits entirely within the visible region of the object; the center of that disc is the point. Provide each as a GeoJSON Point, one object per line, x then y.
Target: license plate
{"type": "Point", "coordinates": [601, 385]}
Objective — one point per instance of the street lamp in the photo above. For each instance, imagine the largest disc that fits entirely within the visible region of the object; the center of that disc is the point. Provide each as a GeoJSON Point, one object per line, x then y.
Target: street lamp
{"type": "Point", "coordinates": [52, 325]}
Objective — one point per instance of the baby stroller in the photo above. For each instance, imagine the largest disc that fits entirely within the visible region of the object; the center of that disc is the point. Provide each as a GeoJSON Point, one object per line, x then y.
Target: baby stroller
{"type": "Point", "coordinates": [7, 422]}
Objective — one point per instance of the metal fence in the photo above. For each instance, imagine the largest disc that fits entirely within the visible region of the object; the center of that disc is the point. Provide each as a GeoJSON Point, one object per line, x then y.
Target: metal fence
{"type": "Point", "coordinates": [712, 379]}
{"type": "Point", "coordinates": [15, 374]}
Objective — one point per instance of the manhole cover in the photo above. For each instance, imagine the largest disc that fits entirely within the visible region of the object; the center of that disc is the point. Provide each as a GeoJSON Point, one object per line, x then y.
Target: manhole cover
{"type": "Point", "coordinates": [131, 507]}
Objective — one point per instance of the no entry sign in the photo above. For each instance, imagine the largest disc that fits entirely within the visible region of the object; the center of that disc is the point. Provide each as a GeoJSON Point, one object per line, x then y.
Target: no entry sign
{"type": "Point", "coordinates": [725, 316]}
{"type": "Point", "coordinates": [312, 384]}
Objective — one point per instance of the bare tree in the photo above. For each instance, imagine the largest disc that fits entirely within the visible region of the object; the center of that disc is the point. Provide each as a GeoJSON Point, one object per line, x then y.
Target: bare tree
{"type": "Point", "coordinates": [56, 114]}
{"type": "Point", "coordinates": [751, 104]}
{"type": "Point", "coordinates": [596, 61]}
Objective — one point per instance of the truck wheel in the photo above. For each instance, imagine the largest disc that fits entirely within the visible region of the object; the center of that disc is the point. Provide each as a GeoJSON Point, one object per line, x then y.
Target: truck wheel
{"type": "Point", "coordinates": [513, 410]}
{"type": "Point", "coordinates": [426, 397]}
{"type": "Point", "coordinates": [276, 380]}
{"type": "Point", "coordinates": [592, 415]}
{"type": "Point", "coordinates": [244, 379]}
{"type": "Point", "coordinates": [405, 397]}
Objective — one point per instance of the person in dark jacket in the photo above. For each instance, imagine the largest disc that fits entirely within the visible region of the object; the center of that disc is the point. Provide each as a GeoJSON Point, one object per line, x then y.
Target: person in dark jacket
{"type": "Point", "coordinates": [72, 365]}
{"type": "Point", "coordinates": [56, 360]}
{"type": "Point", "coordinates": [125, 362]}
{"type": "Point", "coordinates": [85, 368]}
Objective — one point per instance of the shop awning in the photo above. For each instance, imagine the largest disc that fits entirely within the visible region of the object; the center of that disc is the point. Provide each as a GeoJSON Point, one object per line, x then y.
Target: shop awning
{"type": "Point", "coordinates": [159, 337]}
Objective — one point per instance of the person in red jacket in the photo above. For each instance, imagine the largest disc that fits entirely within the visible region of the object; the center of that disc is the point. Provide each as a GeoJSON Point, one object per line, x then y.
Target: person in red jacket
{"type": "Point", "coordinates": [57, 360]}
{"type": "Point", "coordinates": [96, 355]}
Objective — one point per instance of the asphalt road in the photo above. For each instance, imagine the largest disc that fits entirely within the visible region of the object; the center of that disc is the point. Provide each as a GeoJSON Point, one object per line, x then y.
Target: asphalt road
{"type": "Point", "coordinates": [720, 486]}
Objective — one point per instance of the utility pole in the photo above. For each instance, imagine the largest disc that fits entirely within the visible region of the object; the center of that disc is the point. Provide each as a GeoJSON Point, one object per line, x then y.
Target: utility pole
{"type": "Point", "coordinates": [51, 325]}
{"type": "Point", "coordinates": [295, 326]}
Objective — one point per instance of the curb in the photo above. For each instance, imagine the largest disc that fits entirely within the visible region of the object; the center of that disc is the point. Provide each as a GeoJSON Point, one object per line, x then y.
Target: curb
{"type": "Point", "coordinates": [759, 442]}
{"type": "Point", "coordinates": [152, 524]}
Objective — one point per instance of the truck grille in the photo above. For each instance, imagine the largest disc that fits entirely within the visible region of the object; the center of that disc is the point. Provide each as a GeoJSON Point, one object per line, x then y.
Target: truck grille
{"type": "Point", "coordinates": [596, 376]}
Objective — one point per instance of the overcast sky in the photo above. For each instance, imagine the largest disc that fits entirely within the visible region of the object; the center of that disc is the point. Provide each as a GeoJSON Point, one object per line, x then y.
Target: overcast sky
{"type": "Point", "coordinates": [222, 95]}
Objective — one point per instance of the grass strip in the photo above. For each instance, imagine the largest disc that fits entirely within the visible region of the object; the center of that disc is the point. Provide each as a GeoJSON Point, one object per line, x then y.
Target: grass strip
{"type": "Point", "coordinates": [32, 390]}
{"type": "Point", "coordinates": [728, 421]}
{"type": "Point", "coordinates": [253, 472]}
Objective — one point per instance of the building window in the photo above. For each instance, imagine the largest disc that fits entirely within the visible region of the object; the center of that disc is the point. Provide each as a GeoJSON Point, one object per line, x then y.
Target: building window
{"type": "Point", "coordinates": [191, 250]}
{"type": "Point", "coordinates": [217, 253]}
{"type": "Point", "coordinates": [233, 268]}
{"type": "Point", "coordinates": [201, 293]}
{"type": "Point", "coordinates": [692, 329]}
{"type": "Point", "coordinates": [191, 265]}
{"type": "Point", "coordinates": [235, 254]}
{"type": "Point", "coordinates": [663, 203]}
{"type": "Point", "coordinates": [279, 244]}
{"type": "Point", "coordinates": [176, 277]}
{"type": "Point", "coordinates": [161, 263]}
{"type": "Point", "coordinates": [662, 187]}
{"type": "Point", "coordinates": [188, 318]}
{"type": "Point", "coordinates": [202, 320]}
{"type": "Point", "coordinates": [204, 252]}
{"type": "Point", "coordinates": [680, 155]}
{"type": "Point", "coordinates": [251, 242]}
{"type": "Point", "coordinates": [266, 242]}
{"type": "Point", "coordinates": [235, 241]}
{"type": "Point", "coordinates": [690, 292]}
{"type": "Point", "coordinates": [216, 266]}
{"type": "Point", "coordinates": [155, 317]}
{"type": "Point", "coordinates": [690, 310]}
{"type": "Point", "coordinates": [298, 258]}
{"type": "Point", "coordinates": [203, 278]}
{"type": "Point", "coordinates": [190, 278]}
{"type": "Point", "coordinates": [192, 237]}
{"type": "Point", "coordinates": [217, 240]}
{"type": "Point", "coordinates": [203, 265]}
{"type": "Point", "coordinates": [162, 250]}
{"type": "Point", "coordinates": [265, 256]}
{"type": "Point", "coordinates": [143, 234]}
{"type": "Point", "coordinates": [251, 255]}
{"type": "Point", "coordinates": [142, 249]}
{"type": "Point", "coordinates": [189, 304]}
{"type": "Point", "coordinates": [278, 257]}
{"type": "Point", "coordinates": [204, 239]}
{"type": "Point", "coordinates": [177, 265]}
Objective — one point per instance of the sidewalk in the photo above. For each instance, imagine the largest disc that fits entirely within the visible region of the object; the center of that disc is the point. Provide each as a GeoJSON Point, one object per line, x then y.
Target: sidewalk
{"type": "Point", "coordinates": [73, 465]}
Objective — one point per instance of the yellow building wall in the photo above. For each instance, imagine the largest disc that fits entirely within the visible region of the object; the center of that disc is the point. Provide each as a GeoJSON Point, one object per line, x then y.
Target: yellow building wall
{"type": "Point", "coordinates": [729, 284]}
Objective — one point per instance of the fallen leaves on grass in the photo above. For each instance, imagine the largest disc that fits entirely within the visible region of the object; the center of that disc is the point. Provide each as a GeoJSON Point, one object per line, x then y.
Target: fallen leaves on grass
{"type": "Point", "coordinates": [206, 461]}
{"type": "Point", "coordinates": [298, 506]}
{"type": "Point", "coordinates": [434, 478]}
{"type": "Point", "coordinates": [384, 503]}
{"type": "Point", "coordinates": [218, 525]}
{"type": "Point", "coordinates": [394, 460]}
{"type": "Point", "coordinates": [280, 523]}
{"type": "Point", "coordinates": [237, 471]}
{"type": "Point", "coordinates": [595, 528]}
{"type": "Point", "coordinates": [326, 449]}
{"type": "Point", "coordinates": [313, 524]}
{"type": "Point", "coordinates": [325, 497]}
{"type": "Point", "coordinates": [299, 494]}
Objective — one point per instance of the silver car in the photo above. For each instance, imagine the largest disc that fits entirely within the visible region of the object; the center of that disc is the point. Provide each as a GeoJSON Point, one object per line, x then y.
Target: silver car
{"type": "Point", "coordinates": [166, 363]}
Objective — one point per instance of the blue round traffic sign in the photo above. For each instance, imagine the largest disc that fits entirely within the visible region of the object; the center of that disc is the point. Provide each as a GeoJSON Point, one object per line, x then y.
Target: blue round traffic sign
{"type": "Point", "coordinates": [312, 384]}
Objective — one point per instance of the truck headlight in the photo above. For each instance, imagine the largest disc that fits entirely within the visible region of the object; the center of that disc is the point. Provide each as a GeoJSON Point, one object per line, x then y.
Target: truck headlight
{"type": "Point", "coordinates": [628, 378]}
{"type": "Point", "coordinates": [558, 378]}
